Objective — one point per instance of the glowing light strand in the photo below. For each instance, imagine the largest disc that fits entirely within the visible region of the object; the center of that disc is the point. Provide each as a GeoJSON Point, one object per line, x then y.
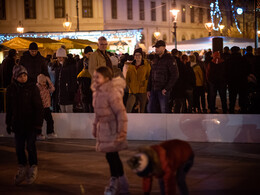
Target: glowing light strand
{"type": "Point", "coordinates": [234, 15]}
{"type": "Point", "coordinates": [215, 12]}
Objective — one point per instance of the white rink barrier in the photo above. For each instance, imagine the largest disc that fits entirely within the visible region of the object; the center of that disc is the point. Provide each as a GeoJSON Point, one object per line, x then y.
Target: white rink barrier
{"type": "Point", "coordinates": [190, 127]}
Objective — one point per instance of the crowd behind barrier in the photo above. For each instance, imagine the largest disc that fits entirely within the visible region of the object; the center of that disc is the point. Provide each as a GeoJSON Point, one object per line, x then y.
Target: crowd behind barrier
{"type": "Point", "coordinates": [202, 78]}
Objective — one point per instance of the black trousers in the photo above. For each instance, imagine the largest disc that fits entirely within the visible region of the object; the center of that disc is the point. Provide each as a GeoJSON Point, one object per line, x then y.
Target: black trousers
{"type": "Point", "coordinates": [27, 138]}
{"type": "Point", "coordinates": [50, 123]}
{"type": "Point", "coordinates": [115, 164]}
{"type": "Point", "coordinates": [199, 97]}
{"type": "Point", "coordinates": [241, 91]}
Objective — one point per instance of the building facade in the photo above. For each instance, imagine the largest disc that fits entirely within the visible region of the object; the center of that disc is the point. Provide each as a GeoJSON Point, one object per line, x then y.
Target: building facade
{"type": "Point", "coordinates": [151, 15]}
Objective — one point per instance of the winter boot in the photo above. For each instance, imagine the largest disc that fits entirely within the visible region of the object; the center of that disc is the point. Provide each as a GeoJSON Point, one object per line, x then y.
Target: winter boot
{"type": "Point", "coordinates": [20, 175]}
{"type": "Point", "coordinates": [113, 187]}
{"type": "Point", "coordinates": [123, 185]}
{"type": "Point", "coordinates": [32, 174]}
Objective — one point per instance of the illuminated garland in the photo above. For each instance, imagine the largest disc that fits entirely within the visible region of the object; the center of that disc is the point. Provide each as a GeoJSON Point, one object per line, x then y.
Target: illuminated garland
{"type": "Point", "coordinates": [234, 15]}
{"type": "Point", "coordinates": [215, 12]}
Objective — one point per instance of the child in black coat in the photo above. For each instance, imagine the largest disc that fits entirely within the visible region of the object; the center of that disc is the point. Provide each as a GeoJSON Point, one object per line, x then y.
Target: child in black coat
{"type": "Point", "coordinates": [24, 115]}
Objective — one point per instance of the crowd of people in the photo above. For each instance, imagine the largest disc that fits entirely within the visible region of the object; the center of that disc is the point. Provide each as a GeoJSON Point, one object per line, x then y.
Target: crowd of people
{"type": "Point", "coordinates": [160, 82]}
{"type": "Point", "coordinates": [112, 85]}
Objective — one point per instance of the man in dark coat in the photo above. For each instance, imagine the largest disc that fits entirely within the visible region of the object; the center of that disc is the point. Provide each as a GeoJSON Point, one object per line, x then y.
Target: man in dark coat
{"type": "Point", "coordinates": [164, 74]}
{"type": "Point", "coordinates": [237, 73]}
{"type": "Point", "coordinates": [24, 116]}
{"type": "Point", "coordinates": [8, 65]}
{"type": "Point", "coordinates": [34, 62]}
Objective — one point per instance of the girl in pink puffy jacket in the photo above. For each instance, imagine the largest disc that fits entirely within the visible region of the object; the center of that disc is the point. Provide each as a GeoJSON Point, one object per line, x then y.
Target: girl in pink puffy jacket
{"type": "Point", "coordinates": [110, 125]}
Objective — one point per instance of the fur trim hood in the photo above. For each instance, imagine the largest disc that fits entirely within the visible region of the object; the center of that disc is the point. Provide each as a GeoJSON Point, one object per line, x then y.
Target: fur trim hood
{"type": "Point", "coordinates": [117, 83]}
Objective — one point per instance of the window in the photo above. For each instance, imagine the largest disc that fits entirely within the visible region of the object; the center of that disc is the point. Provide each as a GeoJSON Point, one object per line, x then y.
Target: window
{"type": "Point", "coordinates": [183, 38]}
{"type": "Point", "coordinates": [192, 36]}
{"type": "Point", "coordinates": [153, 11]}
{"type": "Point", "coordinates": [183, 13]}
{"type": "Point", "coordinates": [191, 14]}
{"type": "Point", "coordinates": [59, 8]}
{"type": "Point", "coordinates": [114, 9]}
{"type": "Point", "coordinates": [208, 15]}
{"type": "Point", "coordinates": [2, 10]}
{"type": "Point", "coordinates": [163, 11]}
{"type": "Point", "coordinates": [87, 8]}
{"type": "Point", "coordinates": [141, 9]}
{"type": "Point", "coordinates": [129, 9]}
{"type": "Point", "coordinates": [201, 35]}
{"type": "Point", "coordinates": [200, 15]}
{"type": "Point", "coordinates": [29, 9]}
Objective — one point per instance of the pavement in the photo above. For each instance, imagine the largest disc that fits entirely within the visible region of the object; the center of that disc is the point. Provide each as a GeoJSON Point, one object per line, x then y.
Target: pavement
{"type": "Point", "coordinates": [72, 166]}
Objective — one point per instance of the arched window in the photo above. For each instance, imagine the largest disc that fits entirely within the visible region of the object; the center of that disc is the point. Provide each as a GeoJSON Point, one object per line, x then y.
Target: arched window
{"type": "Point", "coordinates": [183, 38]}
{"type": "Point", "coordinates": [164, 38]}
{"type": "Point", "coordinates": [192, 36]}
{"type": "Point", "coordinates": [201, 35]}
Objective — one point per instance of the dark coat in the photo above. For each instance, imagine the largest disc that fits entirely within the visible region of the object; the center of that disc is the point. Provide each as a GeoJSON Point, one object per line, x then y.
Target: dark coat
{"type": "Point", "coordinates": [217, 73]}
{"type": "Point", "coordinates": [24, 109]}
{"type": "Point", "coordinates": [8, 65]}
{"type": "Point", "coordinates": [164, 73]}
{"type": "Point", "coordinates": [190, 79]}
{"type": "Point", "coordinates": [35, 65]}
{"type": "Point", "coordinates": [237, 71]}
{"type": "Point", "coordinates": [65, 82]}
{"type": "Point", "coordinates": [180, 87]}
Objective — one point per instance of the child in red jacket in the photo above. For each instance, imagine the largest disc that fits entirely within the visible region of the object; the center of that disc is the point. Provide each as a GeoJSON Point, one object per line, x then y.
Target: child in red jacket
{"type": "Point", "coordinates": [169, 161]}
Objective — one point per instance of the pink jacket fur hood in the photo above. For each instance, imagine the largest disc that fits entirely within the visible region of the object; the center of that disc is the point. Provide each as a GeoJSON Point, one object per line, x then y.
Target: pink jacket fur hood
{"type": "Point", "coordinates": [110, 125]}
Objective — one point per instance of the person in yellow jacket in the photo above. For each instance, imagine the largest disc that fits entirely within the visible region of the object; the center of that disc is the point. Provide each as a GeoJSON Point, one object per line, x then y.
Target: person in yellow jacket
{"type": "Point", "coordinates": [137, 79]}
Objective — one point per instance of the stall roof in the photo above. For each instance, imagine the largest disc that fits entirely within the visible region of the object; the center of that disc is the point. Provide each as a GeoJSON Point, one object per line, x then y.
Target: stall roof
{"type": "Point", "coordinates": [206, 43]}
{"type": "Point", "coordinates": [79, 43]}
{"type": "Point", "coordinates": [21, 43]}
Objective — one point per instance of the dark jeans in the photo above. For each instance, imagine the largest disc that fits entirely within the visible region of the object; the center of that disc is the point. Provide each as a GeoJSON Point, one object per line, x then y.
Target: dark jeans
{"type": "Point", "coordinates": [199, 98]}
{"type": "Point", "coordinates": [28, 138]}
{"type": "Point", "coordinates": [115, 164]}
{"type": "Point", "coordinates": [179, 105]}
{"type": "Point", "coordinates": [222, 90]}
{"type": "Point", "coordinates": [132, 98]}
{"type": "Point", "coordinates": [158, 103]}
{"type": "Point", "coordinates": [50, 123]}
{"type": "Point", "coordinates": [241, 91]}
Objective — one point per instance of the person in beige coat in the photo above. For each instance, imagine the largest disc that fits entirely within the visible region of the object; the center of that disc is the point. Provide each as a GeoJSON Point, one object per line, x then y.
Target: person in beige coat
{"type": "Point", "coordinates": [100, 57]}
{"type": "Point", "coordinates": [110, 125]}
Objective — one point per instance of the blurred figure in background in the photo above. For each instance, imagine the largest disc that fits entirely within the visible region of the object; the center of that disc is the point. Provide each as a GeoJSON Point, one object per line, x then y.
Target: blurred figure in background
{"type": "Point", "coordinates": [84, 81]}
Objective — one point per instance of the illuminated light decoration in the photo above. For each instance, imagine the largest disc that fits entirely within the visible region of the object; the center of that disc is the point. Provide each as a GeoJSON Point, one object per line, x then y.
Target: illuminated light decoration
{"type": "Point", "coordinates": [234, 16]}
{"type": "Point", "coordinates": [215, 13]}
{"type": "Point", "coordinates": [20, 27]}
{"type": "Point", "coordinates": [157, 34]}
{"type": "Point", "coordinates": [239, 11]}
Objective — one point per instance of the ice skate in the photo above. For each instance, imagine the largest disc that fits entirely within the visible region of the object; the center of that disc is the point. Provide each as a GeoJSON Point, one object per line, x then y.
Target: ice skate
{"type": "Point", "coordinates": [32, 174]}
{"type": "Point", "coordinates": [52, 136]}
{"type": "Point", "coordinates": [40, 137]}
{"type": "Point", "coordinates": [113, 187]}
{"type": "Point", "coordinates": [123, 185]}
{"type": "Point", "coordinates": [20, 175]}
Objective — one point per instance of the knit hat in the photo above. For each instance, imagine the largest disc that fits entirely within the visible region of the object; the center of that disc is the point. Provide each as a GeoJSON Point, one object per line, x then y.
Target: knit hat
{"type": "Point", "coordinates": [33, 46]}
{"type": "Point", "coordinates": [41, 79]}
{"type": "Point", "coordinates": [88, 49]}
{"type": "Point", "coordinates": [138, 50]}
{"type": "Point", "coordinates": [11, 53]}
{"type": "Point", "coordinates": [114, 60]}
{"type": "Point", "coordinates": [18, 70]}
{"type": "Point", "coordinates": [140, 164]}
{"type": "Point", "coordinates": [61, 53]}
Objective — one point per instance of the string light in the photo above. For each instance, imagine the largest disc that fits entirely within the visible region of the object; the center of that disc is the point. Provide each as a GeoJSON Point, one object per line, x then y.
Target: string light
{"type": "Point", "coordinates": [215, 13]}
{"type": "Point", "coordinates": [234, 15]}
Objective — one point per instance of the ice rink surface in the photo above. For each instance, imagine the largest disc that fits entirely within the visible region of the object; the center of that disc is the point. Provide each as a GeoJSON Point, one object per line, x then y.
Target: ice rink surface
{"type": "Point", "coordinates": [72, 166]}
